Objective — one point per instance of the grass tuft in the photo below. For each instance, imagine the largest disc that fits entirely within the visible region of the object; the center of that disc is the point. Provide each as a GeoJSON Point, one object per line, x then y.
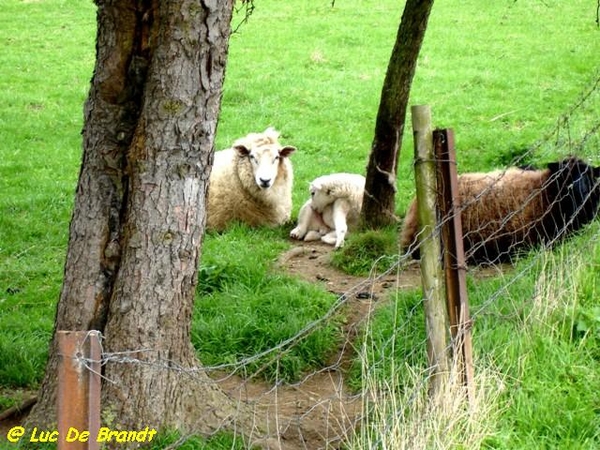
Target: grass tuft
{"type": "Point", "coordinates": [366, 251]}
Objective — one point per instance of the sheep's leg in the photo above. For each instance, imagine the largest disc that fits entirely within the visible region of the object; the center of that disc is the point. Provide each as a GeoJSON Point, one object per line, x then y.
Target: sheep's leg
{"type": "Point", "coordinates": [305, 220]}
{"type": "Point", "coordinates": [317, 227]}
{"type": "Point", "coordinates": [410, 231]}
{"type": "Point", "coordinates": [328, 234]}
{"type": "Point", "coordinates": [313, 235]}
{"type": "Point", "coordinates": [330, 238]}
{"type": "Point", "coordinates": [340, 211]}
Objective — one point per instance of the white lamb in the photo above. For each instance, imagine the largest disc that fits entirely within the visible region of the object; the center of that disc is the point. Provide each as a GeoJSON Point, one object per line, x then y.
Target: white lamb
{"type": "Point", "coordinates": [251, 182]}
{"type": "Point", "coordinates": [334, 205]}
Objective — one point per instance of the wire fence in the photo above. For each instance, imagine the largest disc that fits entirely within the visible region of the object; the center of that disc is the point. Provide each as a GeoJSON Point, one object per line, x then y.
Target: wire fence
{"type": "Point", "coordinates": [387, 344]}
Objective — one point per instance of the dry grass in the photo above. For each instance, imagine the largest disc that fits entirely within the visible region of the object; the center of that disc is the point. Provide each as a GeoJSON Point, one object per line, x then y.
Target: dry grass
{"type": "Point", "coordinates": [411, 419]}
{"type": "Point", "coordinates": [399, 413]}
{"type": "Point", "coordinates": [556, 291]}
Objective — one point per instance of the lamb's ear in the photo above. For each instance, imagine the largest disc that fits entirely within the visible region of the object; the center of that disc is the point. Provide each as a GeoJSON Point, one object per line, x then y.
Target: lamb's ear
{"type": "Point", "coordinates": [286, 151]}
{"type": "Point", "coordinates": [335, 190]}
{"type": "Point", "coordinates": [241, 149]}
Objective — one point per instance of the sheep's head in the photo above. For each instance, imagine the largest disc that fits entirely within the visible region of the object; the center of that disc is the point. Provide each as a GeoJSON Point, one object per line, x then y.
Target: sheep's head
{"type": "Point", "coordinates": [576, 186]}
{"type": "Point", "coordinates": [326, 189]}
{"type": "Point", "coordinates": [320, 196]}
{"type": "Point", "coordinates": [265, 154]}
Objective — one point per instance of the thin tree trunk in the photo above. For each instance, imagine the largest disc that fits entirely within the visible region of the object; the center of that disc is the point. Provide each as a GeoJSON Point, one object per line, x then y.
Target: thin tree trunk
{"type": "Point", "coordinates": [378, 207]}
{"type": "Point", "coordinates": [138, 222]}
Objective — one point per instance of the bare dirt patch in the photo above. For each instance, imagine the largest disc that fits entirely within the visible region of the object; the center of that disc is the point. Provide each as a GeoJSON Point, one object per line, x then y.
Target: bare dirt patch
{"type": "Point", "coordinates": [311, 261]}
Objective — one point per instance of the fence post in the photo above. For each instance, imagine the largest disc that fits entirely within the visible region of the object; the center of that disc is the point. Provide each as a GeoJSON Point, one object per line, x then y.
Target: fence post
{"type": "Point", "coordinates": [78, 400]}
{"type": "Point", "coordinates": [436, 321]}
{"type": "Point", "coordinates": [454, 257]}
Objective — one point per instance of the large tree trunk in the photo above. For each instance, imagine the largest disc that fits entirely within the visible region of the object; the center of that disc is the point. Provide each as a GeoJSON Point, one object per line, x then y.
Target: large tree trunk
{"type": "Point", "coordinates": [378, 208]}
{"type": "Point", "coordinates": [139, 216]}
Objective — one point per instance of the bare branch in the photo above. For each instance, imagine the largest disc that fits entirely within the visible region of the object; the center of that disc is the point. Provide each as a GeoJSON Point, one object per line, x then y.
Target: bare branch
{"type": "Point", "coordinates": [248, 5]}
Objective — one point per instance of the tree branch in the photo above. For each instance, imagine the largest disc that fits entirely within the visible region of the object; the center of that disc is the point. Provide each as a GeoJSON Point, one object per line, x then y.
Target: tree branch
{"type": "Point", "coordinates": [249, 7]}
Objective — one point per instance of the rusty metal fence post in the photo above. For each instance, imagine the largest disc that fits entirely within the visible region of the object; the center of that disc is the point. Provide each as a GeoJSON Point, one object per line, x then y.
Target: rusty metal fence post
{"type": "Point", "coordinates": [454, 257]}
{"type": "Point", "coordinates": [78, 400]}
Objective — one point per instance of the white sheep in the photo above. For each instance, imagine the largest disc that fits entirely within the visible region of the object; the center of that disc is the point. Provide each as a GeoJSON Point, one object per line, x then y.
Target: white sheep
{"type": "Point", "coordinates": [335, 204]}
{"type": "Point", "coordinates": [251, 182]}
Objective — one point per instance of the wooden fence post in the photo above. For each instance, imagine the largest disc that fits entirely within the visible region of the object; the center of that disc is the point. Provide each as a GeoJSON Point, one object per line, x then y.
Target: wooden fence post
{"type": "Point", "coordinates": [78, 400]}
{"type": "Point", "coordinates": [455, 267]}
{"type": "Point", "coordinates": [431, 270]}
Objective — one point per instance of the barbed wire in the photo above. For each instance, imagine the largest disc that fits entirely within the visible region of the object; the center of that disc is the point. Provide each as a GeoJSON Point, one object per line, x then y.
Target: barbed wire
{"type": "Point", "coordinates": [578, 142]}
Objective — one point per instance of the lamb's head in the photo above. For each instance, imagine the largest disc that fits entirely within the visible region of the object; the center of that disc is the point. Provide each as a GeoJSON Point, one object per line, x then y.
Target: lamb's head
{"type": "Point", "coordinates": [321, 195]}
{"type": "Point", "coordinates": [265, 154]}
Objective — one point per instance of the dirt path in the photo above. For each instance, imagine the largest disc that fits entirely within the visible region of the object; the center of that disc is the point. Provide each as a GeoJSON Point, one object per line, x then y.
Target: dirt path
{"type": "Point", "coordinates": [319, 411]}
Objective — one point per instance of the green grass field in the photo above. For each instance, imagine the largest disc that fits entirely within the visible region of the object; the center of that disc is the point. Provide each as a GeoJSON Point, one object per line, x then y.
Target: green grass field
{"type": "Point", "coordinates": [504, 75]}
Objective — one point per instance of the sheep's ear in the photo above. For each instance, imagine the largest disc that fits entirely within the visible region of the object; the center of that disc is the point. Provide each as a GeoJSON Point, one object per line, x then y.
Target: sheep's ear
{"type": "Point", "coordinates": [271, 133]}
{"type": "Point", "coordinates": [286, 151]}
{"type": "Point", "coordinates": [241, 149]}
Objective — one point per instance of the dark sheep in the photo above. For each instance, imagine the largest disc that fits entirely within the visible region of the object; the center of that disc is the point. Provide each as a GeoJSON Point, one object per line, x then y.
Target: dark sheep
{"type": "Point", "coordinates": [507, 211]}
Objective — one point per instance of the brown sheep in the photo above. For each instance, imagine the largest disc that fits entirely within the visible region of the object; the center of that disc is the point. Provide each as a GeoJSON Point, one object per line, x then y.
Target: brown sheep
{"type": "Point", "coordinates": [504, 211]}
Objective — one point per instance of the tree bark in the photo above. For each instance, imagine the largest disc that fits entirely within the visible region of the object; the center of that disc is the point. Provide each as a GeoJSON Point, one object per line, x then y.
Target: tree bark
{"type": "Point", "coordinates": [139, 216]}
{"type": "Point", "coordinates": [378, 208]}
